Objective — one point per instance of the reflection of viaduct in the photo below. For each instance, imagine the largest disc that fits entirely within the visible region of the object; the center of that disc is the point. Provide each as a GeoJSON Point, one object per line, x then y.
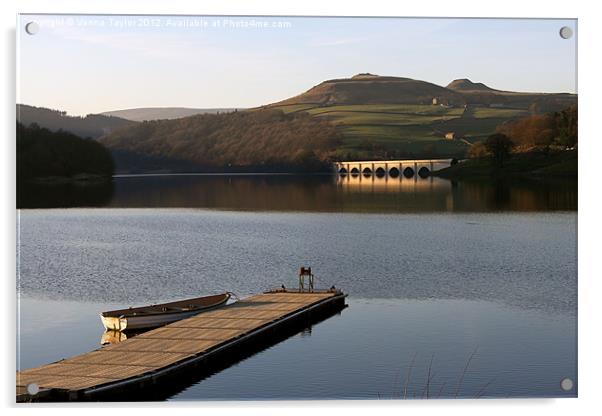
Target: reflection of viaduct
{"type": "Point", "coordinates": [392, 168]}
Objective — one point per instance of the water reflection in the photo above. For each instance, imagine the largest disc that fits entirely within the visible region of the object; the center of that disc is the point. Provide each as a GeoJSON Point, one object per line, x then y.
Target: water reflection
{"type": "Point", "coordinates": [387, 183]}
{"type": "Point", "coordinates": [313, 193]}
{"type": "Point", "coordinates": [64, 195]}
{"type": "Point", "coordinates": [113, 337]}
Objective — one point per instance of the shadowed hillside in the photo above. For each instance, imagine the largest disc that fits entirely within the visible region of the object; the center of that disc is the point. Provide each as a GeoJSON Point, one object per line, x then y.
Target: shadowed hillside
{"type": "Point", "coordinates": [91, 126]}
{"type": "Point", "coordinates": [42, 154]}
{"type": "Point", "coordinates": [264, 140]}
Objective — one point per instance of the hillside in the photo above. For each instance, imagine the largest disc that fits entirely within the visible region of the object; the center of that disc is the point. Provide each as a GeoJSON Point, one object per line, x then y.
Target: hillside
{"type": "Point", "coordinates": [42, 154]}
{"type": "Point", "coordinates": [380, 117]}
{"type": "Point", "coordinates": [373, 89]}
{"type": "Point", "coordinates": [163, 113]}
{"type": "Point", "coordinates": [262, 140]}
{"type": "Point", "coordinates": [465, 84]}
{"type": "Point", "coordinates": [91, 126]}
{"type": "Point", "coordinates": [479, 94]}
{"type": "Point", "coordinates": [542, 145]}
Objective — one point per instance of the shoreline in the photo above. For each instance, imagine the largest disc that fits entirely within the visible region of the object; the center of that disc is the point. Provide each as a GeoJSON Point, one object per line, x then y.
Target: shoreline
{"type": "Point", "coordinates": [528, 165]}
{"type": "Point", "coordinates": [79, 179]}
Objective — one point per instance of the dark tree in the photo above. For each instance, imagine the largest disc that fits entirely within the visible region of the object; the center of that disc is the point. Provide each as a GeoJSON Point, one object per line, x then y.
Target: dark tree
{"type": "Point", "coordinates": [499, 145]}
{"type": "Point", "coordinates": [43, 153]}
{"type": "Point", "coordinates": [566, 124]}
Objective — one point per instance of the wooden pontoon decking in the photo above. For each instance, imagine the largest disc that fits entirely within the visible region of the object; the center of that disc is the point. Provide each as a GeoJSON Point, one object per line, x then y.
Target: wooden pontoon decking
{"type": "Point", "coordinates": [169, 348]}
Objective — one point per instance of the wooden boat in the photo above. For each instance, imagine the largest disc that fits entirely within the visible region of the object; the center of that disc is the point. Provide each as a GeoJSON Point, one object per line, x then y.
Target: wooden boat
{"type": "Point", "coordinates": [146, 317]}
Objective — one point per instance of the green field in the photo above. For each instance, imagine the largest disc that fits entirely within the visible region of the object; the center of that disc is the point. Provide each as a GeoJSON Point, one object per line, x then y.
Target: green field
{"type": "Point", "coordinates": [499, 112]}
{"type": "Point", "coordinates": [407, 130]}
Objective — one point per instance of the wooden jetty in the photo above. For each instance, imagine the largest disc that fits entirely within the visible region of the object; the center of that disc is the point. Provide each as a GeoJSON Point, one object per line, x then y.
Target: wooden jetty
{"type": "Point", "coordinates": [145, 360]}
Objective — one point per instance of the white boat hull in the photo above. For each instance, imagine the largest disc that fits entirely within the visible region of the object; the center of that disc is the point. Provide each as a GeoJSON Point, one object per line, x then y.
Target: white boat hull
{"type": "Point", "coordinates": [144, 321]}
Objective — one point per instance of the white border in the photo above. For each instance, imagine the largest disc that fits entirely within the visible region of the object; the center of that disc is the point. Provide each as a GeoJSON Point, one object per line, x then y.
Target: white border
{"type": "Point", "coordinates": [589, 223]}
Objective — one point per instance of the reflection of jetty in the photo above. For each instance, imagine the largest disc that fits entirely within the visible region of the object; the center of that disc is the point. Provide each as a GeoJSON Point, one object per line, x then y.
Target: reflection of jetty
{"type": "Point", "coordinates": [166, 353]}
{"type": "Point", "coordinates": [392, 168]}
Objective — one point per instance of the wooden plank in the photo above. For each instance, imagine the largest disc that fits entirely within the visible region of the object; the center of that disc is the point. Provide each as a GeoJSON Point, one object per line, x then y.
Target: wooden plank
{"type": "Point", "coordinates": [271, 306]}
{"type": "Point", "coordinates": [66, 369]}
{"type": "Point", "coordinates": [243, 314]}
{"type": "Point", "coordinates": [160, 345]}
{"type": "Point", "coordinates": [149, 359]}
{"type": "Point", "coordinates": [192, 333]}
{"type": "Point", "coordinates": [59, 382]}
{"type": "Point", "coordinates": [225, 323]}
{"type": "Point", "coordinates": [288, 297]}
{"type": "Point", "coordinates": [283, 307]}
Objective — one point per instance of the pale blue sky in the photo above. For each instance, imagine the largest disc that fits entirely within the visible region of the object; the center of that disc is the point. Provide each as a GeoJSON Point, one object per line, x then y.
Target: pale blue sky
{"type": "Point", "coordinates": [90, 64]}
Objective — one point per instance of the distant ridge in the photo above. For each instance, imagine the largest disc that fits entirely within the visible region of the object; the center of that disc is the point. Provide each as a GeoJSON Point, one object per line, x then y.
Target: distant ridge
{"type": "Point", "coordinates": [91, 126]}
{"type": "Point", "coordinates": [366, 88]}
{"type": "Point", "coordinates": [163, 113]}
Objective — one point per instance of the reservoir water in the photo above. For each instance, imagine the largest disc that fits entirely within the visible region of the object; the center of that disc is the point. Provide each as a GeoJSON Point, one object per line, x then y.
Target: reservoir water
{"type": "Point", "coordinates": [476, 281]}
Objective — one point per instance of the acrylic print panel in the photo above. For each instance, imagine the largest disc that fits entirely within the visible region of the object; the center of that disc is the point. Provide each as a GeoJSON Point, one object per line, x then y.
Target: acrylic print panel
{"type": "Point", "coordinates": [392, 201]}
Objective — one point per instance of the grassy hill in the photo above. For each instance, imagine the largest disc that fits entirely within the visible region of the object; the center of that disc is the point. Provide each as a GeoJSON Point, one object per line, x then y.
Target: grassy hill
{"type": "Point", "coordinates": [91, 126]}
{"type": "Point", "coordinates": [163, 113]}
{"type": "Point", "coordinates": [373, 89]}
{"type": "Point", "coordinates": [395, 117]}
{"type": "Point", "coordinates": [390, 130]}
{"type": "Point", "coordinates": [479, 94]}
{"type": "Point", "coordinates": [464, 84]}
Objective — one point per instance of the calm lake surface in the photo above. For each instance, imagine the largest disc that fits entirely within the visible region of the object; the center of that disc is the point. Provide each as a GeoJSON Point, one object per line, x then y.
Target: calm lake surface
{"type": "Point", "coordinates": [317, 193]}
{"type": "Point", "coordinates": [434, 271]}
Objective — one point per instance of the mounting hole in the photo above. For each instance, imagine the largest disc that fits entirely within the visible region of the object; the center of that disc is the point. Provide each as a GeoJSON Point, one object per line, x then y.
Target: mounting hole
{"type": "Point", "coordinates": [566, 32]}
{"type": "Point", "coordinates": [32, 389]}
{"type": "Point", "coordinates": [566, 384]}
{"type": "Point", "coordinates": [32, 28]}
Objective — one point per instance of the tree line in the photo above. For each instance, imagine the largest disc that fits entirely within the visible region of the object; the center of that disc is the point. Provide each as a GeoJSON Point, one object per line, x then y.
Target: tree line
{"type": "Point", "coordinates": [258, 140]}
{"type": "Point", "coordinates": [44, 153]}
{"type": "Point", "coordinates": [545, 132]}
{"type": "Point", "coordinates": [551, 129]}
